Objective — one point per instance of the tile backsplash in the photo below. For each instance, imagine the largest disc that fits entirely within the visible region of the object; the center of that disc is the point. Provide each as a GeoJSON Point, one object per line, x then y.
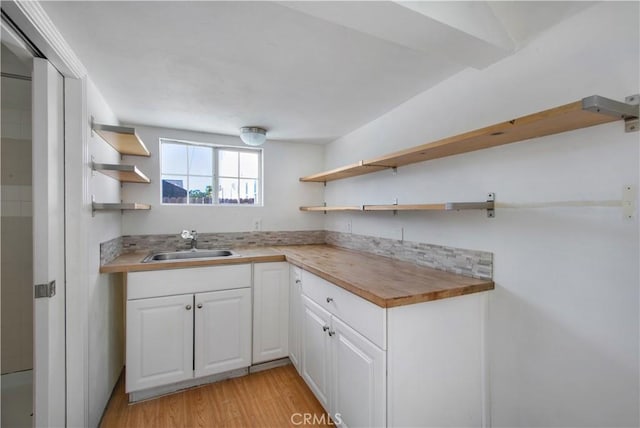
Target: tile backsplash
{"type": "Point", "coordinates": [223, 240]}
{"type": "Point", "coordinates": [477, 264]}
{"type": "Point", "coordinates": [111, 249]}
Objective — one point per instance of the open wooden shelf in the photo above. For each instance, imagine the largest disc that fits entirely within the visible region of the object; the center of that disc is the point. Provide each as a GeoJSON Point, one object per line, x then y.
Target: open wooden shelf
{"type": "Point", "coordinates": [133, 206]}
{"type": "Point", "coordinates": [328, 209]}
{"type": "Point", "coordinates": [343, 172]}
{"type": "Point", "coordinates": [122, 138]}
{"type": "Point", "coordinates": [125, 140]}
{"type": "Point", "coordinates": [123, 173]}
{"type": "Point", "coordinates": [446, 206]}
{"type": "Point", "coordinates": [406, 207]}
{"type": "Point", "coordinates": [590, 111]}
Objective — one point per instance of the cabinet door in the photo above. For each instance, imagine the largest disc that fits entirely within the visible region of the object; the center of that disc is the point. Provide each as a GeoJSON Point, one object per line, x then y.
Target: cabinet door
{"type": "Point", "coordinates": [358, 378]}
{"type": "Point", "coordinates": [295, 316]}
{"type": "Point", "coordinates": [316, 356]}
{"type": "Point", "coordinates": [270, 311]}
{"type": "Point", "coordinates": [159, 341]}
{"type": "Point", "coordinates": [222, 331]}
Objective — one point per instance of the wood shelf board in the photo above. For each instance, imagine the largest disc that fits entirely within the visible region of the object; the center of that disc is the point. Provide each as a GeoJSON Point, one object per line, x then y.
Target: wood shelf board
{"type": "Point", "coordinates": [447, 206]}
{"type": "Point", "coordinates": [348, 171]}
{"type": "Point", "coordinates": [123, 139]}
{"type": "Point", "coordinates": [406, 207]}
{"type": "Point", "coordinates": [564, 118]}
{"type": "Point", "coordinates": [100, 206]}
{"type": "Point", "coordinates": [123, 173]}
{"type": "Point", "coordinates": [332, 208]}
{"type": "Point", "coordinates": [553, 121]}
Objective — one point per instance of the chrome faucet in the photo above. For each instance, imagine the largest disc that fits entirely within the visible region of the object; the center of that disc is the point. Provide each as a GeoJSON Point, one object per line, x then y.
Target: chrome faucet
{"type": "Point", "coordinates": [193, 235]}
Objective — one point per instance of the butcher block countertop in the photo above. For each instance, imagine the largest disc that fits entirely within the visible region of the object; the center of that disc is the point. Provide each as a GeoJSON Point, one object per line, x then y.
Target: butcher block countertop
{"type": "Point", "coordinates": [383, 281]}
{"type": "Point", "coordinates": [132, 262]}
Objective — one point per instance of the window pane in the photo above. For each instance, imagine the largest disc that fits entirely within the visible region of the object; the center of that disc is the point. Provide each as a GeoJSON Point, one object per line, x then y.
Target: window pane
{"type": "Point", "coordinates": [200, 189]}
{"type": "Point", "coordinates": [188, 172]}
{"type": "Point", "coordinates": [248, 191]}
{"type": "Point", "coordinates": [200, 160]}
{"type": "Point", "coordinates": [249, 165]}
{"type": "Point", "coordinates": [228, 191]}
{"type": "Point", "coordinates": [228, 163]}
{"type": "Point", "coordinates": [174, 189]}
{"type": "Point", "coordinates": [174, 159]}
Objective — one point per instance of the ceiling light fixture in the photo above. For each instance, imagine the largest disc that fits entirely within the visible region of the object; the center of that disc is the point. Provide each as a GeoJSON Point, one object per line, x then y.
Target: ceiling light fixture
{"type": "Point", "coordinates": [253, 136]}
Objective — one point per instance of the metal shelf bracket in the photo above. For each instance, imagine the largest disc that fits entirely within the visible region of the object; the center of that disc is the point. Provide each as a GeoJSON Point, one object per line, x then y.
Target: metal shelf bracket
{"type": "Point", "coordinates": [491, 211]}
{"type": "Point", "coordinates": [489, 205]}
{"type": "Point", "coordinates": [629, 110]}
{"type": "Point", "coordinates": [632, 124]}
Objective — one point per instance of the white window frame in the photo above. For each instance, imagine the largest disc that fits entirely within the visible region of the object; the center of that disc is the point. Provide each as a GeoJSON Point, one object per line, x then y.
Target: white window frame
{"type": "Point", "coordinates": [215, 172]}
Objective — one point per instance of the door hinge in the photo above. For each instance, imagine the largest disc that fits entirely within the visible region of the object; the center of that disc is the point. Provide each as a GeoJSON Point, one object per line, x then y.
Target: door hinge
{"type": "Point", "coordinates": [45, 290]}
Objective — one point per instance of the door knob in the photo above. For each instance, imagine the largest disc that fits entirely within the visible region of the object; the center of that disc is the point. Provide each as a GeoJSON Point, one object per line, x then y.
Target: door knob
{"type": "Point", "coordinates": [325, 328]}
{"type": "Point", "coordinates": [329, 299]}
{"type": "Point", "coordinates": [199, 305]}
{"type": "Point", "coordinates": [188, 307]}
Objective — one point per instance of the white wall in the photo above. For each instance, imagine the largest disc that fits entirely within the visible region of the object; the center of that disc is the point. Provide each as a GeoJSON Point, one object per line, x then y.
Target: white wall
{"type": "Point", "coordinates": [564, 315]}
{"type": "Point", "coordinates": [105, 292]}
{"type": "Point", "coordinates": [283, 163]}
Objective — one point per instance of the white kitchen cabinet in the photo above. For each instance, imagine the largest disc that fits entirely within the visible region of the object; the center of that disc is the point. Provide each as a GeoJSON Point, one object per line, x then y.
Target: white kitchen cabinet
{"type": "Point", "coordinates": [437, 363]}
{"type": "Point", "coordinates": [159, 341]}
{"type": "Point", "coordinates": [295, 316]}
{"type": "Point", "coordinates": [358, 378]}
{"type": "Point", "coordinates": [346, 371]}
{"type": "Point", "coordinates": [422, 364]}
{"type": "Point", "coordinates": [366, 318]}
{"type": "Point", "coordinates": [270, 311]}
{"type": "Point", "coordinates": [316, 352]}
{"type": "Point", "coordinates": [222, 335]}
{"type": "Point", "coordinates": [184, 325]}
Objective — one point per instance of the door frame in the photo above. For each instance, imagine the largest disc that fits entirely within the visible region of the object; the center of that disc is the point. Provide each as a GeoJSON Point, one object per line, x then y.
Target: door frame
{"type": "Point", "coordinates": [32, 20]}
{"type": "Point", "coordinates": [49, 336]}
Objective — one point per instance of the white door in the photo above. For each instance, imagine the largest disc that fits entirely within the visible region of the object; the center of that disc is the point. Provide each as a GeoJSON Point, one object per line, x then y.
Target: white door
{"type": "Point", "coordinates": [270, 311]}
{"type": "Point", "coordinates": [358, 378]}
{"type": "Point", "coordinates": [295, 315]}
{"type": "Point", "coordinates": [222, 331]}
{"type": "Point", "coordinates": [316, 356]}
{"type": "Point", "coordinates": [159, 341]}
{"type": "Point", "coordinates": [48, 246]}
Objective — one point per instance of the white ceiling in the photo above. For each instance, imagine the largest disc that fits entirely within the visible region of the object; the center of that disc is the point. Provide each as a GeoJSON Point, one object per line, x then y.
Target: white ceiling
{"type": "Point", "coordinates": [305, 71]}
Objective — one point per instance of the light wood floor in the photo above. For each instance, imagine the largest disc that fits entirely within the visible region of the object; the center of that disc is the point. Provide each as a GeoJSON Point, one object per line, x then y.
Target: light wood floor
{"type": "Point", "coordinates": [264, 399]}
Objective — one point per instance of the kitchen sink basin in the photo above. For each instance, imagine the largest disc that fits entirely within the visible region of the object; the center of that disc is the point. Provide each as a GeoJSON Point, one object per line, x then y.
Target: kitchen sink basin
{"type": "Point", "coordinates": [188, 255]}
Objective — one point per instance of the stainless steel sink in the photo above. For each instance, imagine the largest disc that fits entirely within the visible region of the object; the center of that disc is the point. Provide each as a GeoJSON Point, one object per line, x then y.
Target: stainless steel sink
{"type": "Point", "coordinates": [188, 254]}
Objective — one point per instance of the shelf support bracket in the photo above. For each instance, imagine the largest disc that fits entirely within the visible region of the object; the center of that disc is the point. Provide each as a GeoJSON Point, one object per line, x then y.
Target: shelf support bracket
{"type": "Point", "coordinates": [491, 211]}
{"type": "Point", "coordinates": [632, 124]}
{"type": "Point", "coordinates": [629, 110]}
{"type": "Point", "coordinates": [489, 205]}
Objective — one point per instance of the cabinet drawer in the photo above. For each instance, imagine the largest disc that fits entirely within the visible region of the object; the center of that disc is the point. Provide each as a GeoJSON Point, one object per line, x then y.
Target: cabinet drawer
{"type": "Point", "coordinates": [363, 316]}
{"type": "Point", "coordinates": [169, 282]}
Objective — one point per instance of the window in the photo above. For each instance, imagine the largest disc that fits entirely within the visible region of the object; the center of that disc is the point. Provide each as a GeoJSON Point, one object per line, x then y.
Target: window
{"type": "Point", "coordinates": [199, 174]}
